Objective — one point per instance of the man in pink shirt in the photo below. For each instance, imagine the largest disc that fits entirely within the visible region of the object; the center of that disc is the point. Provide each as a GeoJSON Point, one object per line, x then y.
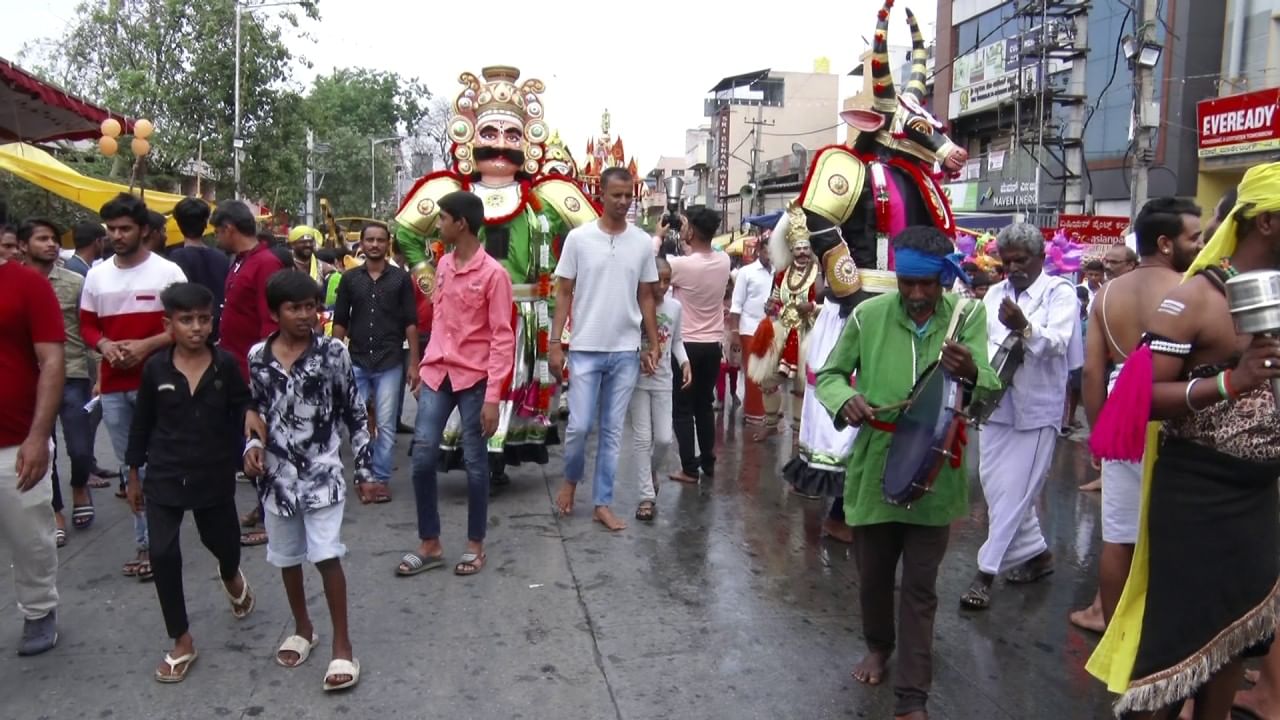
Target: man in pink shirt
{"type": "Point", "coordinates": [467, 364]}
{"type": "Point", "coordinates": [699, 280]}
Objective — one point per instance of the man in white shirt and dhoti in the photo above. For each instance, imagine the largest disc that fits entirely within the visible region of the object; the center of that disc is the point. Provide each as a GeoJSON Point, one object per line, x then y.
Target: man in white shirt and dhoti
{"type": "Point", "coordinates": [1018, 441]}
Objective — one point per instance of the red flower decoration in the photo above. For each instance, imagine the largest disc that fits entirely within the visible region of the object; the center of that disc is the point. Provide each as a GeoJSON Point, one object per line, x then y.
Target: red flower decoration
{"type": "Point", "coordinates": [877, 65]}
{"type": "Point", "coordinates": [883, 14]}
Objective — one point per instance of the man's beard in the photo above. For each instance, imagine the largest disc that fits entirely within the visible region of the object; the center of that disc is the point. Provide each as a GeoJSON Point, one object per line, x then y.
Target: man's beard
{"type": "Point", "coordinates": [1182, 262]}
{"type": "Point", "coordinates": [515, 157]}
{"type": "Point", "coordinates": [303, 255]}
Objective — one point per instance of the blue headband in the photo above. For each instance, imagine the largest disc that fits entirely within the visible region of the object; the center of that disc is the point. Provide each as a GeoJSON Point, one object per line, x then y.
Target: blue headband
{"type": "Point", "coordinates": [912, 263]}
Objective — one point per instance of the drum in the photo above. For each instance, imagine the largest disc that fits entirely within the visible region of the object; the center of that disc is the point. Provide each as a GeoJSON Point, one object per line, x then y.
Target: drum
{"type": "Point", "coordinates": [923, 436]}
{"type": "Point", "coordinates": [1007, 360]}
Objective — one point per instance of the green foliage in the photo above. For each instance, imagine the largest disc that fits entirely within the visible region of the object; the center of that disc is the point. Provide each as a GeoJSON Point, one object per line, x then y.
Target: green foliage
{"type": "Point", "coordinates": [346, 110]}
{"type": "Point", "coordinates": [173, 62]}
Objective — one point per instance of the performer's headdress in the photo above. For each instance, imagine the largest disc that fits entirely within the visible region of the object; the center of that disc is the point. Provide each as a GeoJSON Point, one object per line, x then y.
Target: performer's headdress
{"type": "Point", "coordinates": [494, 97]}
{"type": "Point", "coordinates": [1259, 192]}
{"type": "Point", "coordinates": [797, 228]}
{"type": "Point", "coordinates": [558, 160]}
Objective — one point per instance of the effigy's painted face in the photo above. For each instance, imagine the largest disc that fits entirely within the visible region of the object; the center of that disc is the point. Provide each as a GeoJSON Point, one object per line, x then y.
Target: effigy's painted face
{"type": "Point", "coordinates": [917, 125]}
{"type": "Point", "coordinates": [499, 147]}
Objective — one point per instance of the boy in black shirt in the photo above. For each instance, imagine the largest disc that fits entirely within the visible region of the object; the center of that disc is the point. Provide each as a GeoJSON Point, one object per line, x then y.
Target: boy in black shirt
{"type": "Point", "coordinates": [188, 432]}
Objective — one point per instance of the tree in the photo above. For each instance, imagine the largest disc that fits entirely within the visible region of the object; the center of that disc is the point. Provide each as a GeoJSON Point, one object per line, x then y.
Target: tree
{"type": "Point", "coordinates": [346, 110]}
{"type": "Point", "coordinates": [172, 62]}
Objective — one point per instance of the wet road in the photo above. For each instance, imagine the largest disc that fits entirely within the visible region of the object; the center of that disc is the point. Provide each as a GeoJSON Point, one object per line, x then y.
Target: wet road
{"type": "Point", "coordinates": [728, 606]}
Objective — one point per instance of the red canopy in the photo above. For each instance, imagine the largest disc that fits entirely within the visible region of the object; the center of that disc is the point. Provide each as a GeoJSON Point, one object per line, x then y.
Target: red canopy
{"type": "Point", "coordinates": [32, 110]}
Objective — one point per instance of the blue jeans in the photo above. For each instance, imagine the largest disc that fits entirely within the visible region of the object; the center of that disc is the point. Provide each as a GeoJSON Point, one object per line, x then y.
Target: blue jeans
{"type": "Point", "coordinates": [382, 388]}
{"type": "Point", "coordinates": [77, 429]}
{"type": "Point", "coordinates": [434, 407]}
{"type": "Point", "coordinates": [604, 381]}
{"type": "Point", "coordinates": [117, 411]}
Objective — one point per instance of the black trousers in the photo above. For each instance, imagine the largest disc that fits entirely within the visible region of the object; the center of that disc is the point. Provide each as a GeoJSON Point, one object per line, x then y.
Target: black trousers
{"type": "Point", "coordinates": [693, 409]}
{"type": "Point", "coordinates": [219, 530]}
{"type": "Point", "coordinates": [920, 549]}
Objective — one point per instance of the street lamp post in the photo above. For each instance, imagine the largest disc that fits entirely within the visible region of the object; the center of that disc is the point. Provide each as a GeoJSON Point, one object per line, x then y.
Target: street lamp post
{"type": "Point", "coordinates": [373, 170]}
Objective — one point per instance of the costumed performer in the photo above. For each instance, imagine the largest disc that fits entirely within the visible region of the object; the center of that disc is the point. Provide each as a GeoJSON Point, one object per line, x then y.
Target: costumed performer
{"type": "Point", "coordinates": [1202, 589]}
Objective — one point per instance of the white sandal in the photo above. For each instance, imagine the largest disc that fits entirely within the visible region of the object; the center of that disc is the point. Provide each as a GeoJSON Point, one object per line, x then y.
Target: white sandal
{"type": "Point", "coordinates": [239, 610]}
{"type": "Point", "coordinates": [338, 666]}
{"type": "Point", "coordinates": [173, 675]}
{"type": "Point", "coordinates": [298, 645]}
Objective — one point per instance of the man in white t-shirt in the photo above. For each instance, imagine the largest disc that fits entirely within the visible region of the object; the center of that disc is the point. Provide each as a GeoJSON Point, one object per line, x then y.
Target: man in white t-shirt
{"type": "Point", "coordinates": [604, 279]}
{"type": "Point", "coordinates": [750, 292]}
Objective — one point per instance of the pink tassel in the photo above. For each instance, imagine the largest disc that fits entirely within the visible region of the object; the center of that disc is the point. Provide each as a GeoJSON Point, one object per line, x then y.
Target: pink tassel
{"type": "Point", "coordinates": [1121, 432]}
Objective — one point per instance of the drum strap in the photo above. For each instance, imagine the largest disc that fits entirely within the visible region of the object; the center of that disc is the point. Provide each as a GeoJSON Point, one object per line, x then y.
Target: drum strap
{"type": "Point", "coordinates": [957, 445]}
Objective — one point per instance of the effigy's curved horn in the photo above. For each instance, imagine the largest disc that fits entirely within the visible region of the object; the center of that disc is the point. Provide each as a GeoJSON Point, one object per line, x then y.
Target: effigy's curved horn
{"type": "Point", "coordinates": [886, 98]}
{"type": "Point", "coordinates": [919, 56]}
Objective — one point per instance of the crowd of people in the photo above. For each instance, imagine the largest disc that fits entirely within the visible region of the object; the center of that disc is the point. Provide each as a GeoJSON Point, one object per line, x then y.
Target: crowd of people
{"type": "Point", "coordinates": [259, 359]}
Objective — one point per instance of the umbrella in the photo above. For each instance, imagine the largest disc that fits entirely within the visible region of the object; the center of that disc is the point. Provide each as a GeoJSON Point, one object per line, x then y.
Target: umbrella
{"type": "Point", "coordinates": [766, 221]}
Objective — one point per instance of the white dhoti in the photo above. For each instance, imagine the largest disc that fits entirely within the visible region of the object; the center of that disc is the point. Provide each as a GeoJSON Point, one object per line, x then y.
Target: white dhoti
{"type": "Point", "coordinates": [819, 465]}
{"type": "Point", "coordinates": [1013, 466]}
{"type": "Point", "coordinates": [1121, 494]}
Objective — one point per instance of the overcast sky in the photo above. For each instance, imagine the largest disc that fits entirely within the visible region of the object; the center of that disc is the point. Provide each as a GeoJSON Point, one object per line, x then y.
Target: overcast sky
{"type": "Point", "coordinates": [650, 63]}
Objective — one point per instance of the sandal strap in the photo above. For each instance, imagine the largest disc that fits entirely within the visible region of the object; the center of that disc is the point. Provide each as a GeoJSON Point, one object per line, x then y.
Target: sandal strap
{"type": "Point", "coordinates": [413, 561]}
{"type": "Point", "coordinates": [298, 645]}
{"type": "Point", "coordinates": [468, 559]}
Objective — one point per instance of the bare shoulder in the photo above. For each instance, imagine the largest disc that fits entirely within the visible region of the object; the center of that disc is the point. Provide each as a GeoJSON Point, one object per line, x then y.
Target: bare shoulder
{"type": "Point", "coordinates": [1189, 309]}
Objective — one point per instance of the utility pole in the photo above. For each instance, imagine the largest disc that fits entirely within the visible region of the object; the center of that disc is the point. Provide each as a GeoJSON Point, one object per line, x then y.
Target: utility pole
{"type": "Point", "coordinates": [756, 124]}
{"type": "Point", "coordinates": [236, 143]}
{"type": "Point", "coordinates": [311, 178]}
{"type": "Point", "coordinates": [1073, 135]}
{"type": "Point", "coordinates": [1144, 105]}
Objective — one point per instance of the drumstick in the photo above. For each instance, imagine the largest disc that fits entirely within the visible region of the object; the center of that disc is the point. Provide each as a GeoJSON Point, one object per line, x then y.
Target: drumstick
{"type": "Point", "coordinates": [891, 407]}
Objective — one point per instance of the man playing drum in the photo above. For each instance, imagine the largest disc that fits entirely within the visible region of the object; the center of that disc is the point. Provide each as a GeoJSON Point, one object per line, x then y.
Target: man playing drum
{"type": "Point", "coordinates": [889, 342]}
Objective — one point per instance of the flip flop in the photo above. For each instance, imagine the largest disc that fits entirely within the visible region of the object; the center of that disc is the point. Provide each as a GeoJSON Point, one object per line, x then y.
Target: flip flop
{"type": "Point", "coordinates": [298, 645]}
{"type": "Point", "coordinates": [98, 482]}
{"type": "Point", "coordinates": [381, 494]}
{"type": "Point", "coordinates": [1029, 573]}
{"type": "Point", "coordinates": [59, 537]}
{"type": "Point", "coordinates": [144, 571]}
{"type": "Point", "coordinates": [175, 676]}
{"type": "Point", "coordinates": [130, 569]}
{"type": "Point", "coordinates": [243, 605]}
{"type": "Point", "coordinates": [413, 563]}
{"type": "Point", "coordinates": [82, 516]}
{"type": "Point", "coordinates": [977, 597]}
{"type": "Point", "coordinates": [646, 511]}
{"type": "Point", "coordinates": [342, 667]}
{"type": "Point", "coordinates": [469, 564]}
{"type": "Point", "coordinates": [253, 537]}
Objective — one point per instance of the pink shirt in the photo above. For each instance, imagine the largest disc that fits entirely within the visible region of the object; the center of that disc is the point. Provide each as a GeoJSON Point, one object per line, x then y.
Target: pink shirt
{"type": "Point", "coordinates": [472, 338]}
{"type": "Point", "coordinates": [700, 281]}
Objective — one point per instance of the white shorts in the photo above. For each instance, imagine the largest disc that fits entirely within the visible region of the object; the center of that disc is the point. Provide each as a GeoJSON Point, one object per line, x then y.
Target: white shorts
{"type": "Point", "coordinates": [1121, 501]}
{"type": "Point", "coordinates": [310, 536]}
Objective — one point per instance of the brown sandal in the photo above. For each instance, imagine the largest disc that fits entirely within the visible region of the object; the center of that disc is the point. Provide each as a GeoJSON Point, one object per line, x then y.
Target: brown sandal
{"type": "Point", "coordinates": [469, 564]}
{"type": "Point", "coordinates": [647, 510]}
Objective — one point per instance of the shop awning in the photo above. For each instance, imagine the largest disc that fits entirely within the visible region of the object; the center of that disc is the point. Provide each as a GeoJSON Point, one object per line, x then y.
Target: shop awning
{"type": "Point", "coordinates": [35, 111]}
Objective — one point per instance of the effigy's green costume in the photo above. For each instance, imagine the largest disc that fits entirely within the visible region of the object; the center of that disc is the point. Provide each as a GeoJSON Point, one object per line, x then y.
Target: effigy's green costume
{"type": "Point", "coordinates": [500, 153]}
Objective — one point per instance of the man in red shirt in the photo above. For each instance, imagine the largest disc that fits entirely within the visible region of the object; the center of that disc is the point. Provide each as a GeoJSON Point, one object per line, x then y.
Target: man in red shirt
{"type": "Point", "coordinates": [245, 317]}
{"type": "Point", "coordinates": [468, 365]}
{"type": "Point", "coordinates": [31, 363]}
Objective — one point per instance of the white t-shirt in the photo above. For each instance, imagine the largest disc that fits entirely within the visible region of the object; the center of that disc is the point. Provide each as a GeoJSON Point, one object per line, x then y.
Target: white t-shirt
{"type": "Point", "coordinates": [607, 270]}
{"type": "Point", "coordinates": [750, 291]}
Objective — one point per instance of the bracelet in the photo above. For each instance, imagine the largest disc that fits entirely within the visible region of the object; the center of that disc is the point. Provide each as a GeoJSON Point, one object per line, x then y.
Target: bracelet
{"type": "Point", "coordinates": [1222, 386]}
{"type": "Point", "coordinates": [1187, 394]}
{"type": "Point", "coordinates": [1226, 384]}
{"type": "Point", "coordinates": [554, 342]}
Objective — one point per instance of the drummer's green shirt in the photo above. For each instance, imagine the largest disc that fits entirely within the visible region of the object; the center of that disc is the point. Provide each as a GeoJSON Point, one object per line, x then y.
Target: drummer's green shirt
{"type": "Point", "coordinates": [888, 352]}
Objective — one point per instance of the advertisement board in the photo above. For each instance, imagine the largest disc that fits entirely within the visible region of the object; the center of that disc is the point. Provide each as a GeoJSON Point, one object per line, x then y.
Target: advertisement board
{"type": "Point", "coordinates": [1095, 232]}
{"type": "Point", "coordinates": [1239, 123]}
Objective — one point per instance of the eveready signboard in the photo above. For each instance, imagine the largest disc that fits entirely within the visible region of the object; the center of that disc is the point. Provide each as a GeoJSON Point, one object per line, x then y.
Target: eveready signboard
{"type": "Point", "coordinates": [1239, 123]}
